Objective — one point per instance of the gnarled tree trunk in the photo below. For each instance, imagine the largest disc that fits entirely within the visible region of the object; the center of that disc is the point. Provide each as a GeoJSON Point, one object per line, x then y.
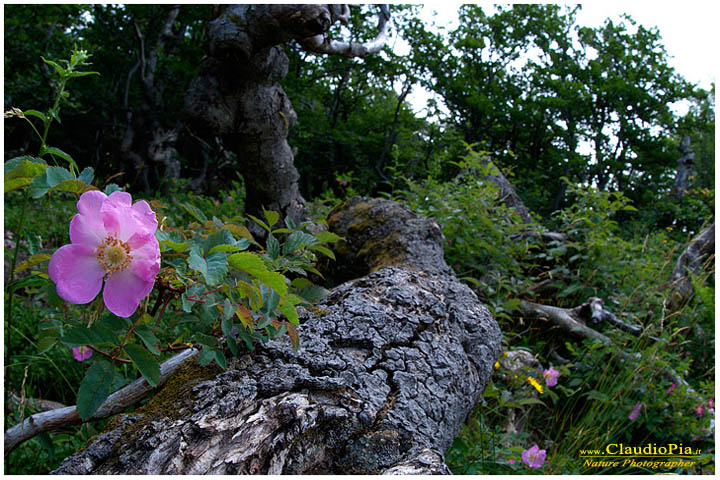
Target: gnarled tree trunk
{"type": "Point", "coordinates": [389, 367]}
{"type": "Point", "coordinates": [238, 96]}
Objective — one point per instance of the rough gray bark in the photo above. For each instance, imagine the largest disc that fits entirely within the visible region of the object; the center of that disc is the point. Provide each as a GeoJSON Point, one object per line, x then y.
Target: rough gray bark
{"type": "Point", "coordinates": [389, 367]}
{"type": "Point", "coordinates": [690, 262]}
{"type": "Point", "coordinates": [237, 94]}
{"type": "Point", "coordinates": [684, 168]}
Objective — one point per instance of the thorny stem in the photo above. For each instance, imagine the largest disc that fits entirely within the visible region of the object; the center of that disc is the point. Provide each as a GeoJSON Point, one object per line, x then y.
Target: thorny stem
{"type": "Point", "coordinates": [97, 350]}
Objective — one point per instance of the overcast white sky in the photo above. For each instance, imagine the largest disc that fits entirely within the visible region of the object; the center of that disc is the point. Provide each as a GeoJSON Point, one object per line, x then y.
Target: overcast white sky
{"type": "Point", "coordinates": [689, 31]}
{"type": "Point", "coordinates": [689, 28]}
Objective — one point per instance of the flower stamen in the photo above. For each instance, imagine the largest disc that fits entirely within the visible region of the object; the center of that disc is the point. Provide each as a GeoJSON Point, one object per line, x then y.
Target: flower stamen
{"type": "Point", "coordinates": [113, 255]}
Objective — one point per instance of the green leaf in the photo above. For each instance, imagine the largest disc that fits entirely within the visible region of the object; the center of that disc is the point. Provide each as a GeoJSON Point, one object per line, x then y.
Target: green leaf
{"type": "Point", "coordinates": [87, 175]}
{"type": "Point", "coordinates": [259, 222]}
{"type": "Point", "coordinates": [254, 265]}
{"type": "Point", "coordinates": [311, 292]}
{"type": "Point", "coordinates": [46, 343]}
{"type": "Point", "coordinates": [145, 363]}
{"type": "Point", "coordinates": [293, 334]}
{"type": "Point", "coordinates": [112, 187]}
{"type": "Point", "coordinates": [327, 237]}
{"type": "Point", "coordinates": [213, 268]}
{"type": "Point", "coordinates": [271, 217]}
{"type": "Point", "coordinates": [94, 388]}
{"type": "Point", "coordinates": [56, 151]}
{"type": "Point", "coordinates": [297, 240]}
{"type": "Point", "coordinates": [273, 247]}
{"type": "Point", "coordinates": [145, 333]}
{"type": "Point", "coordinates": [221, 237]}
{"type": "Point", "coordinates": [220, 359]}
{"type": "Point", "coordinates": [531, 401]}
{"type": "Point", "coordinates": [205, 356]}
{"type": "Point", "coordinates": [35, 113]}
{"type": "Point", "coordinates": [232, 345]}
{"type": "Point", "coordinates": [195, 212]}
{"type": "Point", "coordinates": [271, 301]}
{"type": "Point", "coordinates": [52, 177]}
{"type": "Point", "coordinates": [21, 171]}
{"type": "Point", "coordinates": [287, 307]}
{"type": "Point", "coordinates": [36, 259]}
{"type": "Point", "coordinates": [72, 186]}
{"type": "Point", "coordinates": [324, 250]}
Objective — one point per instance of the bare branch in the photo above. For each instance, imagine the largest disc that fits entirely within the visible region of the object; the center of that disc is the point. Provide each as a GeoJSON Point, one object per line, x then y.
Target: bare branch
{"type": "Point", "coordinates": [115, 403]}
{"type": "Point", "coordinates": [38, 403]}
{"type": "Point", "coordinates": [690, 262]}
{"type": "Point", "coordinates": [324, 44]}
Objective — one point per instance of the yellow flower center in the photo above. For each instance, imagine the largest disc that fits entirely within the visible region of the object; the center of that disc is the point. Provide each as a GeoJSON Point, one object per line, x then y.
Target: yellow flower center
{"type": "Point", "coordinates": [113, 255]}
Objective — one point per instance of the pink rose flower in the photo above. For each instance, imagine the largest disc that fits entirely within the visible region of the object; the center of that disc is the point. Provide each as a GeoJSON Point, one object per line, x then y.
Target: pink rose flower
{"type": "Point", "coordinates": [669, 390]}
{"type": "Point", "coordinates": [112, 239]}
{"type": "Point", "coordinates": [635, 411]}
{"type": "Point", "coordinates": [551, 377]}
{"type": "Point", "coordinates": [711, 403]}
{"type": "Point", "coordinates": [534, 457]}
{"type": "Point", "coordinates": [699, 410]}
{"type": "Point", "coordinates": [82, 353]}
{"type": "Point", "coordinates": [228, 198]}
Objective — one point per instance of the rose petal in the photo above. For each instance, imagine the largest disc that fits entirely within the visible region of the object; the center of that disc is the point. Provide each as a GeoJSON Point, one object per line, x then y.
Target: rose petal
{"type": "Point", "coordinates": [119, 199]}
{"type": "Point", "coordinates": [145, 251]}
{"type": "Point", "coordinates": [87, 230]}
{"type": "Point", "coordinates": [124, 291]}
{"type": "Point", "coordinates": [91, 202]}
{"type": "Point", "coordinates": [76, 273]}
{"type": "Point", "coordinates": [144, 215]}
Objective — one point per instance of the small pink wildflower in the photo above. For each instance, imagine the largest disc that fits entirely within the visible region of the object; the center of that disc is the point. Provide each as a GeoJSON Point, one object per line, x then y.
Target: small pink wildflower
{"type": "Point", "coordinates": [551, 377]}
{"type": "Point", "coordinates": [699, 410]}
{"type": "Point", "coordinates": [534, 457]}
{"type": "Point", "coordinates": [112, 239]}
{"type": "Point", "coordinates": [217, 202]}
{"type": "Point", "coordinates": [635, 411]}
{"type": "Point", "coordinates": [711, 403]}
{"type": "Point", "coordinates": [228, 198]}
{"type": "Point", "coordinates": [669, 390]}
{"type": "Point", "coordinates": [82, 353]}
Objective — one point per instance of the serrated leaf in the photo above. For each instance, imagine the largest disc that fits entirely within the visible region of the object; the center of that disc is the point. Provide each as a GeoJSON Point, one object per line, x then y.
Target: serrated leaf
{"type": "Point", "coordinates": [195, 212]}
{"type": "Point", "coordinates": [94, 388]}
{"type": "Point", "coordinates": [36, 259]}
{"type": "Point", "coordinates": [254, 265]}
{"type": "Point", "coordinates": [112, 187]}
{"type": "Point", "coordinates": [238, 230]}
{"type": "Point", "coordinates": [245, 316]}
{"type": "Point", "coordinates": [221, 237]}
{"type": "Point", "coordinates": [271, 217]}
{"type": "Point", "coordinates": [87, 175]}
{"type": "Point", "coordinates": [324, 250]}
{"type": "Point", "coordinates": [273, 247]}
{"type": "Point", "coordinates": [271, 301]}
{"type": "Point", "coordinates": [205, 356]}
{"type": "Point", "coordinates": [145, 333]}
{"type": "Point", "coordinates": [72, 186]}
{"type": "Point", "coordinates": [213, 267]}
{"type": "Point", "coordinates": [145, 363]}
{"type": "Point", "coordinates": [220, 359]}
{"type": "Point", "coordinates": [297, 240]}
{"type": "Point", "coordinates": [53, 176]}
{"type": "Point", "coordinates": [25, 166]}
{"type": "Point", "coordinates": [327, 237]}
{"type": "Point", "coordinates": [232, 345]}
{"type": "Point", "coordinates": [228, 309]}
{"type": "Point", "coordinates": [312, 293]}
{"type": "Point", "coordinates": [259, 222]}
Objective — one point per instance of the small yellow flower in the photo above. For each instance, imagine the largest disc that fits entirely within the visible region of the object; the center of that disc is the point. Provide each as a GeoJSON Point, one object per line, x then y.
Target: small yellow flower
{"type": "Point", "coordinates": [497, 364]}
{"type": "Point", "coordinates": [535, 384]}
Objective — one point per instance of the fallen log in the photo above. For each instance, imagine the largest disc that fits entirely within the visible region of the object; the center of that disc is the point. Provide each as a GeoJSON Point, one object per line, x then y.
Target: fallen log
{"type": "Point", "coordinates": [389, 367]}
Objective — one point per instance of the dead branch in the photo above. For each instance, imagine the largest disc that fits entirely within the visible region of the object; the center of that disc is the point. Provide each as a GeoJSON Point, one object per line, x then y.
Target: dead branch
{"type": "Point", "coordinates": [689, 264]}
{"type": "Point", "coordinates": [322, 43]}
{"type": "Point", "coordinates": [115, 403]}
{"type": "Point", "coordinates": [36, 403]}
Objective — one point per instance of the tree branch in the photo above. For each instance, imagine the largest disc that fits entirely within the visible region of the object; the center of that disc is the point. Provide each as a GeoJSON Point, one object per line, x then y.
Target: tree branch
{"type": "Point", "coordinates": [115, 403]}
{"type": "Point", "coordinates": [690, 263]}
{"type": "Point", "coordinates": [324, 44]}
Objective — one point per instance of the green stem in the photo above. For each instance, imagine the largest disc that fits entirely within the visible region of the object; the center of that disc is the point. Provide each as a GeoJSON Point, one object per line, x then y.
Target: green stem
{"type": "Point", "coordinates": [13, 262]}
